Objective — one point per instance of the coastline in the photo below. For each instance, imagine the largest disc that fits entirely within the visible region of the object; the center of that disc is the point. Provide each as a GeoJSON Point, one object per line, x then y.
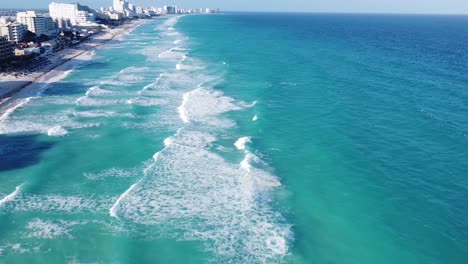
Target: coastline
{"type": "Point", "coordinates": [16, 91]}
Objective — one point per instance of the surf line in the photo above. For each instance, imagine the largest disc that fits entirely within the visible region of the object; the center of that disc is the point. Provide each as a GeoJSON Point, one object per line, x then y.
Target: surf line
{"type": "Point", "coordinates": [11, 196]}
{"type": "Point", "coordinates": [113, 211]}
{"type": "Point", "coordinates": [115, 207]}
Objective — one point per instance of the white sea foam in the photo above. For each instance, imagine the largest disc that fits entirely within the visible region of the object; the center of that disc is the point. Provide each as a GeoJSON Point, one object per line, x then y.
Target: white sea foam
{"type": "Point", "coordinates": [179, 49]}
{"type": "Point", "coordinates": [260, 177]}
{"type": "Point", "coordinates": [183, 112]}
{"type": "Point", "coordinates": [89, 101]}
{"type": "Point", "coordinates": [245, 163]}
{"type": "Point", "coordinates": [17, 248]}
{"type": "Point", "coordinates": [34, 91]}
{"type": "Point", "coordinates": [194, 190]}
{"type": "Point", "coordinates": [6, 115]}
{"type": "Point", "coordinates": [255, 118]}
{"type": "Point", "coordinates": [246, 105]}
{"type": "Point", "coordinates": [42, 123]}
{"type": "Point", "coordinates": [182, 67]}
{"type": "Point", "coordinates": [115, 207]}
{"type": "Point", "coordinates": [96, 91]}
{"type": "Point", "coordinates": [173, 33]}
{"type": "Point", "coordinates": [205, 105]}
{"type": "Point", "coordinates": [134, 69]}
{"type": "Point", "coordinates": [10, 197]}
{"type": "Point", "coordinates": [44, 229]}
{"type": "Point", "coordinates": [288, 83]}
{"type": "Point", "coordinates": [152, 52]}
{"type": "Point", "coordinates": [171, 54]}
{"type": "Point", "coordinates": [92, 92]}
{"type": "Point", "coordinates": [168, 141]}
{"type": "Point", "coordinates": [171, 22]}
{"type": "Point", "coordinates": [150, 101]}
{"type": "Point", "coordinates": [112, 173]}
{"type": "Point", "coordinates": [151, 85]}
{"type": "Point", "coordinates": [241, 142]}
{"type": "Point", "coordinates": [132, 74]}
{"type": "Point", "coordinates": [96, 113]}
{"type": "Point", "coordinates": [60, 203]}
{"type": "Point", "coordinates": [130, 78]}
{"type": "Point", "coordinates": [57, 131]}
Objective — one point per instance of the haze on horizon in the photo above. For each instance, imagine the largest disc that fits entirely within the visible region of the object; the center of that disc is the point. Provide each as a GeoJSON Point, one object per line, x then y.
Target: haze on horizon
{"type": "Point", "coordinates": [338, 6]}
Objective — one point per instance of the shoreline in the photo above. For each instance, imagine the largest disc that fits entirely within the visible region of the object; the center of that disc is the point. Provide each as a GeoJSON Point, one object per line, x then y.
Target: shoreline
{"type": "Point", "coordinates": [18, 90]}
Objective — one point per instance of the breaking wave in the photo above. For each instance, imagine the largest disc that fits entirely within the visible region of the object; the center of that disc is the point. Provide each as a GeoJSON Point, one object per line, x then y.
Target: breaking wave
{"type": "Point", "coordinates": [57, 131]}
{"type": "Point", "coordinates": [10, 197]}
{"type": "Point", "coordinates": [195, 191]}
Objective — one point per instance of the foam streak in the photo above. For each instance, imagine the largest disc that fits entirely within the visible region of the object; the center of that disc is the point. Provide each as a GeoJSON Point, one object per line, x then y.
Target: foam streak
{"type": "Point", "coordinates": [114, 209]}
{"type": "Point", "coordinates": [10, 197]}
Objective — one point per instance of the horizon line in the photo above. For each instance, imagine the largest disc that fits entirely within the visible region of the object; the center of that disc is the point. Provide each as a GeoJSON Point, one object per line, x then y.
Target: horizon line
{"type": "Point", "coordinates": [342, 12]}
{"type": "Point", "coordinates": [293, 12]}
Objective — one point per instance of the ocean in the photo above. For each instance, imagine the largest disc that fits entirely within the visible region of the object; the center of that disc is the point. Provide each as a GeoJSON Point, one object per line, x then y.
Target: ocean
{"type": "Point", "coordinates": [247, 138]}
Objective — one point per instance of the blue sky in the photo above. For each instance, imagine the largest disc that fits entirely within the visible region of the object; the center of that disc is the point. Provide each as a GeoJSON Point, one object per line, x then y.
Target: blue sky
{"type": "Point", "coordinates": [366, 6]}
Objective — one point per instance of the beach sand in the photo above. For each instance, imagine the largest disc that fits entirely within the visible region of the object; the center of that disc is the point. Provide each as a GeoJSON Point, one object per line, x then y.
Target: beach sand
{"type": "Point", "coordinates": [16, 91]}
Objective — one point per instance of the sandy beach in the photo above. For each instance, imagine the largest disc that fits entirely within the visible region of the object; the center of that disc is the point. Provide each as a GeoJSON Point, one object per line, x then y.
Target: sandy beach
{"type": "Point", "coordinates": [15, 91]}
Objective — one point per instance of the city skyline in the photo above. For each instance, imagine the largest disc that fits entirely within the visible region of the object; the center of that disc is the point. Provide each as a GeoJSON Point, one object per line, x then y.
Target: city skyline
{"type": "Point", "coordinates": [338, 6]}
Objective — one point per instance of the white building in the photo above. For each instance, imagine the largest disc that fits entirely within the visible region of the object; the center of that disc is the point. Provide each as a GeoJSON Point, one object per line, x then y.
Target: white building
{"type": "Point", "coordinates": [83, 17]}
{"type": "Point", "coordinates": [14, 32]}
{"type": "Point", "coordinates": [139, 10]}
{"type": "Point", "coordinates": [120, 6]}
{"type": "Point", "coordinates": [123, 7]}
{"type": "Point", "coordinates": [63, 22]}
{"type": "Point", "coordinates": [38, 24]}
{"type": "Point", "coordinates": [75, 13]}
{"type": "Point", "coordinates": [132, 7]}
{"type": "Point", "coordinates": [113, 15]}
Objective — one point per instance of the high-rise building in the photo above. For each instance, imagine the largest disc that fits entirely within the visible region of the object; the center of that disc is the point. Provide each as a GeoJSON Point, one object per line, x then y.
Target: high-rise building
{"type": "Point", "coordinates": [38, 24]}
{"type": "Point", "coordinates": [75, 13]}
{"type": "Point", "coordinates": [170, 10]}
{"type": "Point", "coordinates": [63, 22]}
{"type": "Point", "coordinates": [6, 50]}
{"type": "Point", "coordinates": [83, 17]}
{"type": "Point", "coordinates": [132, 7]}
{"type": "Point", "coordinates": [14, 32]}
{"type": "Point", "coordinates": [123, 7]}
{"type": "Point", "coordinates": [139, 10]}
{"type": "Point", "coordinates": [120, 6]}
{"type": "Point", "coordinates": [112, 15]}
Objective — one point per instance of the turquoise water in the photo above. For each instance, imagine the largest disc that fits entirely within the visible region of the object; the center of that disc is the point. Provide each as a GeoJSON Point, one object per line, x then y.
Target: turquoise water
{"type": "Point", "coordinates": [247, 138]}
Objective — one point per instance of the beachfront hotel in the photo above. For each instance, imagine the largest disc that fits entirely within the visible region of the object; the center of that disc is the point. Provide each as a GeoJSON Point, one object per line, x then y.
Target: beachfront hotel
{"type": "Point", "coordinates": [36, 23]}
{"type": "Point", "coordinates": [170, 10]}
{"type": "Point", "coordinates": [75, 13]}
{"type": "Point", "coordinates": [14, 32]}
{"type": "Point", "coordinates": [124, 7]}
